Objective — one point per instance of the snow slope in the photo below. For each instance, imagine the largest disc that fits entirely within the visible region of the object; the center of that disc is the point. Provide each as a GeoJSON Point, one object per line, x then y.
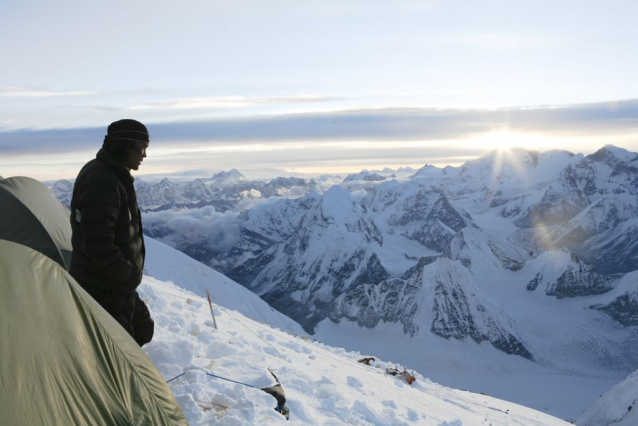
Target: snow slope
{"type": "Point", "coordinates": [617, 407]}
{"type": "Point", "coordinates": [323, 385]}
{"type": "Point", "coordinates": [167, 264]}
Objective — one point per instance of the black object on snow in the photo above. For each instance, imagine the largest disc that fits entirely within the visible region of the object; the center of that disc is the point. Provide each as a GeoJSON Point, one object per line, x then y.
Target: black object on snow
{"type": "Point", "coordinates": [278, 393]}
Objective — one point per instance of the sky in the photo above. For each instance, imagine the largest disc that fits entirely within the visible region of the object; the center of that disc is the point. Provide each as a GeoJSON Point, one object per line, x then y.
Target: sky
{"type": "Point", "coordinates": [333, 86]}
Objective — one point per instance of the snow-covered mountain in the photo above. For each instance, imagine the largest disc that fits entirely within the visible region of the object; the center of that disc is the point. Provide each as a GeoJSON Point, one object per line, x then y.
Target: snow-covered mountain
{"type": "Point", "coordinates": [364, 175]}
{"type": "Point", "coordinates": [63, 191]}
{"type": "Point", "coordinates": [306, 278]}
{"type": "Point", "coordinates": [513, 272]}
{"type": "Point", "coordinates": [616, 407]}
{"type": "Point", "coordinates": [224, 178]}
{"type": "Point", "coordinates": [224, 191]}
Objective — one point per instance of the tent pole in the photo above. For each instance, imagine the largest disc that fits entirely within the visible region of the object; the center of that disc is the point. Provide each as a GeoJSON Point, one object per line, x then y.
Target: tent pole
{"type": "Point", "coordinates": [210, 304]}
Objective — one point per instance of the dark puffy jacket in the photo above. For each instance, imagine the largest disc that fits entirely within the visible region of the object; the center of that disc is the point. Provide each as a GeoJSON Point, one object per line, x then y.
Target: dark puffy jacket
{"type": "Point", "coordinates": [108, 245]}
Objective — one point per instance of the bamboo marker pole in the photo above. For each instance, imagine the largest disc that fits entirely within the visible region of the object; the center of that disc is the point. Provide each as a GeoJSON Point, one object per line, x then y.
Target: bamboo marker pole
{"type": "Point", "coordinates": [210, 304]}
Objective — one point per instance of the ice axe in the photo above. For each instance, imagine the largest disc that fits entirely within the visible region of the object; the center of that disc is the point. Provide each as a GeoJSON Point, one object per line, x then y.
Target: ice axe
{"type": "Point", "coordinates": [278, 393]}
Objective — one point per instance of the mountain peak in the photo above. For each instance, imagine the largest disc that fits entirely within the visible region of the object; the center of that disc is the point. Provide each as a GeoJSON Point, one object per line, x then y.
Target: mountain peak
{"type": "Point", "coordinates": [62, 184]}
{"type": "Point", "coordinates": [232, 175]}
{"type": "Point", "coordinates": [364, 175]}
{"type": "Point", "coordinates": [620, 153]}
{"type": "Point", "coordinates": [225, 178]}
{"type": "Point", "coordinates": [429, 171]}
{"type": "Point", "coordinates": [612, 154]}
{"type": "Point", "coordinates": [337, 204]}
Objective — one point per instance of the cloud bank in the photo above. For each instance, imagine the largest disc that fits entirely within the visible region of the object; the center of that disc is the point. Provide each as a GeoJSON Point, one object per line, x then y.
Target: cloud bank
{"type": "Point", "coordinates": [333, 142]}
{"type": "Point", "coordinates": [218, 231]}
{"type": "Point", "coordinates": [382, 125]}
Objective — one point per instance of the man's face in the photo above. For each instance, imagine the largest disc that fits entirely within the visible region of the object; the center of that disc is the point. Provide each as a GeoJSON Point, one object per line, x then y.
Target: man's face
{"type": "Point", "coordinates": [136, 155]}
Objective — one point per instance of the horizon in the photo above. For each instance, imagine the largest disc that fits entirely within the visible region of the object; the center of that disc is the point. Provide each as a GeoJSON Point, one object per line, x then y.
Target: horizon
{"type": "Point", "coordinates": [266, 174]}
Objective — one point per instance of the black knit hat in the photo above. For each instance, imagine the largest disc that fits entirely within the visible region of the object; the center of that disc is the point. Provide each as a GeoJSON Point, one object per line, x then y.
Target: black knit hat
{"type": "Point", "coordinates": [127, 129]}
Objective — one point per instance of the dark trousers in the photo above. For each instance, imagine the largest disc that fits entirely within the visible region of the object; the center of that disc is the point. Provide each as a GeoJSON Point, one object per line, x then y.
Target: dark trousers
{"type": "Point", "coordinates": [129, 310]}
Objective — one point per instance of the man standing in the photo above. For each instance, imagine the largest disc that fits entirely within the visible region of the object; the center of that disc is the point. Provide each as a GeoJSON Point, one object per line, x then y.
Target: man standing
{"type": "Point", "coordinates": [108, 245]}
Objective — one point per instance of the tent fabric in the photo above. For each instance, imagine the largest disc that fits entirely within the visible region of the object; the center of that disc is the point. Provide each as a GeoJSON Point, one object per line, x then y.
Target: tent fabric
{"type": "Point", "coordinates": [32, 216]}
{"type": "Point", "coordinates": [63, 359]}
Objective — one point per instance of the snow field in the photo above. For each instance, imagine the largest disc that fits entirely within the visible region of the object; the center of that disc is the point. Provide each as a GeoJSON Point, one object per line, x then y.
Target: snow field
{"type": "Point", "coordinates": [323, 385]}
{"type": "Point", "coordinates": [616, 407]}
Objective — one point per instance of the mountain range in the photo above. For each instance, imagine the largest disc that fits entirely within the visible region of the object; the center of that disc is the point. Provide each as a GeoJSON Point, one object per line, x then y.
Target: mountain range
{"type": "Point", "coordinates": [518, 267]}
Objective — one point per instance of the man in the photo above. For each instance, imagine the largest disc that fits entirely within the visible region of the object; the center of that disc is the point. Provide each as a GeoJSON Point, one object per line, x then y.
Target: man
{"type": "Point", "coordinates": [108, 245]}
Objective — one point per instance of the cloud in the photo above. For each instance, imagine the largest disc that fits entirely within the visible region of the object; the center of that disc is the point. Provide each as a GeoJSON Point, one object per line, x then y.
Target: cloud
{"type": "Point", "coordinates": [231, 101]}
{"type": "Point", "coordinates": [21, 92]}
{"type": "Point", "coordinates": [374, 127]}
{"type": "Point", "coordinates": [219, 231]}
{"type": "Point", "coordinates": [51, 141]}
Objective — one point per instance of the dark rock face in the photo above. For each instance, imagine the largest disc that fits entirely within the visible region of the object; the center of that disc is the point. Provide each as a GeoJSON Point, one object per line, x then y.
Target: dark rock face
{"type": "Point", "coordinates": [581, 280]}
{"type": "Point", "coordinates": [574, 238]}
{"type": "Point", "coordinates": [611, 253]}
{"type": "Point", "coordinates": [497, 202]}
{"type": "Point", "coordinates": [364, 176]}
{"type": "Point", "coordinates": [392, 300]}
{"type": "Point", "coordinates": [458, 312]}
{"type": "Point", "coordinates": [512, 207]}
{"type": "Point", "coordinates": [302, 281]}
{"type": "Point", "coordinates": [374, 178]}
{"type": "Point", "coordinates": [219, 205]}
{"type": "Point", "coordinates": [251, 267]}
{"type": "Point", "coordinates": [623, 309]}
{"type": "Point", "coordinates": [429, 218]}
{"type": "Point", "coordinates": [198, 250]}
{"type": "Point", "coordinates": [427, 206]}
{"type": "Point", "coordinates": [555, 208]}
{"type": "Point", "coordinates": [457, 316]}
{"type": "Point", "coordinates": [534, 282]}
{"type": "Point", "coordinates": [423, 262]}
{"type": "Point", "coordinates": [605, 236]}
{"type": "Point", "coordinates": [603, 155]}
{"type": "Point", "coordinates": [581, 176]}
{"type": "Point", "coordinates": [348, 279]}
{"type": "Point", "coordinates": [507, 262]}
{"type": "Point", "coordinates": [156, 230]}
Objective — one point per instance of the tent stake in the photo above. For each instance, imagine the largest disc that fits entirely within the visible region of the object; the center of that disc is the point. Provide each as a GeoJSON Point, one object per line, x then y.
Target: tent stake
{"type": "Point", "coordinates": [210, 304]}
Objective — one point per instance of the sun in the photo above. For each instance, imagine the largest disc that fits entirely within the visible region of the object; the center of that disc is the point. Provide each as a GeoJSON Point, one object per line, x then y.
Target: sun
{"type": "Point", "coordinates": [504, 140]}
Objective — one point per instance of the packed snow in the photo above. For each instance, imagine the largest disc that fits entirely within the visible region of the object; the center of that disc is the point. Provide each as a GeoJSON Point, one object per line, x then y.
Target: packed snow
{"type": "Point", "coordinates": [323, 385]}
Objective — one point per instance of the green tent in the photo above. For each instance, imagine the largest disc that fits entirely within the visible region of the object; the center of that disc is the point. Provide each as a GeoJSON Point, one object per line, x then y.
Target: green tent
{"type": "Point", "coordinates": [63, 359]}
{"type": "Point", "coordinates": [31, 215]}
